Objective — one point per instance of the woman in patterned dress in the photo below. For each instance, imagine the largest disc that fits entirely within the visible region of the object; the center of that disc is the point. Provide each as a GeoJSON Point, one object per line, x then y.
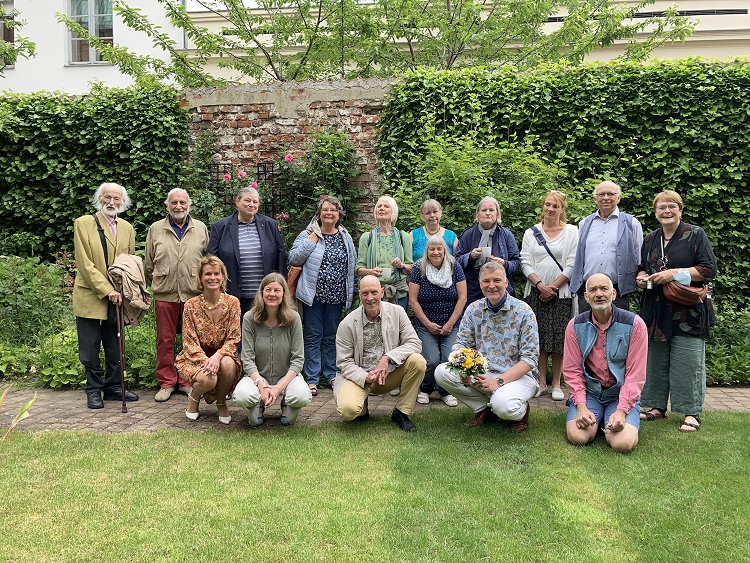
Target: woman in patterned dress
{"type": "Point", "coordinates": [547, 290]}
{"type": "Point", "coordinates": [210, 335]}
{"type": "Point", "coordinates": [325, 287]}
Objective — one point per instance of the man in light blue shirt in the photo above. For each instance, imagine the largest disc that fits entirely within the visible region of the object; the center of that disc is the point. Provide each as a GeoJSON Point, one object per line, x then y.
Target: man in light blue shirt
{"type": "Point", "coordinates": [609, 242]}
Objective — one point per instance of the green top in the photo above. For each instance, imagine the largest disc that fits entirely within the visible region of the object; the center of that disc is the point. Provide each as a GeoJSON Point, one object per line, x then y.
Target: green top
{"type": "Point", "coordinates": [272, 351]}
{"type": "Point", "coordinates": [385, 252]}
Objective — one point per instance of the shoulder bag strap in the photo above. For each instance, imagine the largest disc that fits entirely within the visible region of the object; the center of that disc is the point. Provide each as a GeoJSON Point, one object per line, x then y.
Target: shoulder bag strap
{"type": "Point", "coordinates": [540, 239]}
{"type": "Point", "coordinates": [101, 237]}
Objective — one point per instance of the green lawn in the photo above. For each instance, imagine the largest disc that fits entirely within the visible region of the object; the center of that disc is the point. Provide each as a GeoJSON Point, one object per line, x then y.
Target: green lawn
{"type": "Point", "coordinates": [366, 492]}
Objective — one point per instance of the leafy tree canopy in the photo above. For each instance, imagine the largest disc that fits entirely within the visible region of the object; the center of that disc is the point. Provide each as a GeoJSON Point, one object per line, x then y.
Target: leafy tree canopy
{"type": "Point", "coordinates": [283, 40]}
{"type": "Point", "coordinates": [19, 47]}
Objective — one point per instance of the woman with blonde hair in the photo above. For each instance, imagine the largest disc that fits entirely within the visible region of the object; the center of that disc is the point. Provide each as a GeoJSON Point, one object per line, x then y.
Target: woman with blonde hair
{"type": "Point", "coordinates": [210, 335]}
{"type": "Point", "coordinates": [272, 355]}
{"type": "Point", "coordinates": [548, 253]}
{"type": "Point", "coordinates": [437, 295]}
{"type": "Point", "coordinates": [385, 252]}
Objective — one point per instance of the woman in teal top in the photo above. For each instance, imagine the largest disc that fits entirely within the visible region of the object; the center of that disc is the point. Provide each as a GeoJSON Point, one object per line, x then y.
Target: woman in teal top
{"type": "Point", "coordinates": [385, 252]}
{"type": "Point", "coordinates": [431, 212]}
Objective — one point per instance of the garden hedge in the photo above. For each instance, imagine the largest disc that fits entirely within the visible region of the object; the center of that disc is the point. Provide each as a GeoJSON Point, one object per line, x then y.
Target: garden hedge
{"type": "Point", "coordinates": [682, 125]}
{"type": "Point", "coordinates": [56, 149]}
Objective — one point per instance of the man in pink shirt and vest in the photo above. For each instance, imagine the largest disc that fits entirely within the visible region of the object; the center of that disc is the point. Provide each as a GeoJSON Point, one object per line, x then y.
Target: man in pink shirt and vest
{"type": "Point", "coordinates": [604, 366]}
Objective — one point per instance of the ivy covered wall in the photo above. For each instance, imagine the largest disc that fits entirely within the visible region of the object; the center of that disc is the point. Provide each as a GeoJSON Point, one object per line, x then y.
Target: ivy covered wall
{"type": "Point", "coordinates": [55, 150]}
{"type": "Point", "coordinates": [681, 125]}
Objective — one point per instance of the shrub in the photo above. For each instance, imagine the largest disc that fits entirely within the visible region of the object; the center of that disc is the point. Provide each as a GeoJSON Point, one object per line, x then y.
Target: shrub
{"type": "Point", "coordinates": [728, 349]}
{"type": "Point", "coordinates": [57, 359]}
{"type": "Point", "coordinates": [34, 299]}
{"type": "Point", "coordinates": [56, 149]}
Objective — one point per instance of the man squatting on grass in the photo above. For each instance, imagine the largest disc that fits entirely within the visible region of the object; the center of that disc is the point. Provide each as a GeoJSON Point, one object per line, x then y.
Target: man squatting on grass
{"type": "Point", "coordinates": [92, 291]}
{"type": "Point", "coordinates": [377, 350]}
{"type": "Point", "coordinates": [174, 248]}
{"type": "Point", "coordinates": [504, 329]}
{"type": "Point", "coordinates": [605, 367]}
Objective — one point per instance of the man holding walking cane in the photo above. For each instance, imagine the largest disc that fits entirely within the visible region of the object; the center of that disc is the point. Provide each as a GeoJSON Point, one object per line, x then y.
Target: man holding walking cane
{"type": "Point", "coordinates": [98, 239]}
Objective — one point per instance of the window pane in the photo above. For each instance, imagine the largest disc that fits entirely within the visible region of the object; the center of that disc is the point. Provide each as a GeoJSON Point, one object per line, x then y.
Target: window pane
{"type": "Point", "coordinates": [79, 52]}
{"type": "Point", "coordinates": [102, 7]}
{"type": "Point", "coordinates": [6, 33]}
{"type": "Point", "coordinates": [103, 26]}
{"type": "Point", "coordinates": [79, 7]}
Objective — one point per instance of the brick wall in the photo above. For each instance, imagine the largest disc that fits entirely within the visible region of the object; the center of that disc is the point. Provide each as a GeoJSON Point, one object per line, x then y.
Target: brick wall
{"type": "Point", "coordinates": [255, 122]}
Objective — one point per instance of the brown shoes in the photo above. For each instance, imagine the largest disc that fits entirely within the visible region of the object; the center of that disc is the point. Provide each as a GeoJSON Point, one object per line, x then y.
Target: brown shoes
{"type": "Point", "coordinates": [482, 417]}
{"type": "Point", "coordinates": [523, 424]}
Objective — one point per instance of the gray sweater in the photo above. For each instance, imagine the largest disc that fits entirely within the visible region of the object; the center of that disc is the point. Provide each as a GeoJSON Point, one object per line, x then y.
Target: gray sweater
{"type": "Point", "coordinates": [272, 351]}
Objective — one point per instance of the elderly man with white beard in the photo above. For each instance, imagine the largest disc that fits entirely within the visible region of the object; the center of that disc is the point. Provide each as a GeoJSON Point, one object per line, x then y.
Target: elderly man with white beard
{"type": "Point", "coordinates": [174, 248]}
{"type": "Point", "coordinates": [92, 291]}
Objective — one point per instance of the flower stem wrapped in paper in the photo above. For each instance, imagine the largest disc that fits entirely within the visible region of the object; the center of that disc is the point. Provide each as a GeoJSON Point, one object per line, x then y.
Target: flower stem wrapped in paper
{"type": "Point", "coordinates": [467, 363]}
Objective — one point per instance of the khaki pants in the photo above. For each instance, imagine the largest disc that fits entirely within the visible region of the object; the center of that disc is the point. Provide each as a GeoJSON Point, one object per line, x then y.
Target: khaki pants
{"type": "Point", "coordinates": [351, 397]}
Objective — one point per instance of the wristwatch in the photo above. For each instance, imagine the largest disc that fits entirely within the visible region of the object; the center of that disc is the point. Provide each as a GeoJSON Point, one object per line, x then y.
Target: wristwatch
{"type": "Point", "coordinates": [500, 381]}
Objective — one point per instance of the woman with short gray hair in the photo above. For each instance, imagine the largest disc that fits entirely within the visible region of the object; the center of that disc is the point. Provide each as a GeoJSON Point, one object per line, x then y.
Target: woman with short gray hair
{"type": "Point", "coordinates": [487, 241]}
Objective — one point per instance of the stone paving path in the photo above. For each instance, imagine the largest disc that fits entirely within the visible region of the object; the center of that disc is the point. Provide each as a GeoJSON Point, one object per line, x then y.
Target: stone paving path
{"type": "Point", "coordinates": [66, 410]}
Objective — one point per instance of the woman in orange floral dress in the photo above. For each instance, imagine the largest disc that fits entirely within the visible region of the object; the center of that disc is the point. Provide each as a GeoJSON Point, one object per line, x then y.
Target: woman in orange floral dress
{"type": "Point", "coordinates": [210, 335]}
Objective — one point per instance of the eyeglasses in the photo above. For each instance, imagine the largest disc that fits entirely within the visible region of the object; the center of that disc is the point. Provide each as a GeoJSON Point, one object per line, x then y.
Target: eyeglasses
{"type": "Point", "coordinates": [606, 194]}
{"type": "Point", "coordinates": [668, 207]}
{"type": "Point", "coordinates": [113, 199]}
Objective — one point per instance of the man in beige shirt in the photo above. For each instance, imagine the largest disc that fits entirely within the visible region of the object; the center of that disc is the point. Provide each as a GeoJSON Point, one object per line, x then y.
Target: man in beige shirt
{"type": "Point", "coordinates": [377, 350]}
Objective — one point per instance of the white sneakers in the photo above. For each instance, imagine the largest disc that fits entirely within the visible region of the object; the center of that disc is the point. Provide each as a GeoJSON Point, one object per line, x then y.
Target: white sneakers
{"type": "Point", "coordinates": [164, 394]}
{"type": "Point", "coordinates": [450, 400]}
{"type": "Point", "coordinates": [424, 399]}
{"type": "Point", "coordinates": [557, 394]}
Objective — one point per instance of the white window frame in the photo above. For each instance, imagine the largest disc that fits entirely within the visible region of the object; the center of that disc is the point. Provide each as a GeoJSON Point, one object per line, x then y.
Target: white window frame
{"type": "Point", "coordinates": [92, 21]}
{"type": "Point", "coordinates": [7, 33]}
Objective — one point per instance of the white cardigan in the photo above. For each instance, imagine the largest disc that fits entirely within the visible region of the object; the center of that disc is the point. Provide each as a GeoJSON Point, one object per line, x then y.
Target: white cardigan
{"type": "Point", "coordinates": [534, 257]}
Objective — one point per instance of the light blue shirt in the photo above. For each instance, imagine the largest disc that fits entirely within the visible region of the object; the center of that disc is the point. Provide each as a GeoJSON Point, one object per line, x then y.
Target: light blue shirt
{"type": "Point", "coordinates": [600, 246]}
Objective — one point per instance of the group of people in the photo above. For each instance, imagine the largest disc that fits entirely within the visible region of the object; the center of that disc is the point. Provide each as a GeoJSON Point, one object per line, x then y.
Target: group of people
{"type": "Point", "coordinates": [423, 293]}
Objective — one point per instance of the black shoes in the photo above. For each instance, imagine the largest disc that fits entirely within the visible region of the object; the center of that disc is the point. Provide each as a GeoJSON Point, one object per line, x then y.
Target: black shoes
{"type": "Point", "coordinates": [403, 421]}
{"type": "Point", "coordinates": [365, 415]}
{"type": "Point", "coordinates": [115, 394]}
{"type": "Point", "coordinates": [94, 400]}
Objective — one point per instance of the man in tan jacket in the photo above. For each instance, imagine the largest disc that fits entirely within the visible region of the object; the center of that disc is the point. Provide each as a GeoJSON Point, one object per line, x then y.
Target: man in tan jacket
{"type": "Point", "coordinates": [174, 247]}
{"type": "Point", "coordinates": [92, 291]}
{"type": "Point", "coordinates": [377, 350]}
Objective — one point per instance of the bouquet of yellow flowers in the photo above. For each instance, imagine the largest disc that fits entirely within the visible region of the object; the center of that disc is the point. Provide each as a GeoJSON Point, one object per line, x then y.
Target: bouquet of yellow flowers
{"type": "Point", "coordinates": [467, 363]}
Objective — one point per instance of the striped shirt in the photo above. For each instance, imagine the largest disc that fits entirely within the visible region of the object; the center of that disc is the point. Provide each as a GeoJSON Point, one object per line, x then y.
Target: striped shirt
{"type": "Point", "coordinates": [251, 258]}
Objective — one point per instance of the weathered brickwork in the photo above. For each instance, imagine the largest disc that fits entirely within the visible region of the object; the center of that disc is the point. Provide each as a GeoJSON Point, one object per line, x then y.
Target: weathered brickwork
{"type": "Point", "coordinates": [256, 122]}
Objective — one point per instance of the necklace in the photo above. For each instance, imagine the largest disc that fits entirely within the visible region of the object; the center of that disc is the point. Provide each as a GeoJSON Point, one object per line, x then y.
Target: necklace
{"type": "Point", "coordinates": [208, 307]}
{"type": "Point", "coordinates": [426, 230]}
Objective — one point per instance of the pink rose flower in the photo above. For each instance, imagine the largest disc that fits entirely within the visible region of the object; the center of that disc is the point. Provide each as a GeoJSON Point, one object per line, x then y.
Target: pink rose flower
{"type": "Point", "coordinates": [241, 174]}
{"type": "Point", "coordinates": [254, 185]}
{"type": "Point", "coordinates": [289, 157]}
{"type": "Point", "coordinates": [227, 177]}
{"type": "Point", "coordinates": [283, 216]}
{"type": "Point", "coordinates": [323, 196]}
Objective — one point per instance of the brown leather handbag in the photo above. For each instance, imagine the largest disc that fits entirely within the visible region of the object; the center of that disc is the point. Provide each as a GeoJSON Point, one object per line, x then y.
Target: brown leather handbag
{"type": "Point", "coordinates": [684, 294]}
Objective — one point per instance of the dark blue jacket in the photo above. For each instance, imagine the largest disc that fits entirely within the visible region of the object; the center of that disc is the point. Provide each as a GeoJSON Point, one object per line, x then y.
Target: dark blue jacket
{"type": "Point", "coordinates": [223, 243]}
{"type": "Point", "coordinates": [503, 246]}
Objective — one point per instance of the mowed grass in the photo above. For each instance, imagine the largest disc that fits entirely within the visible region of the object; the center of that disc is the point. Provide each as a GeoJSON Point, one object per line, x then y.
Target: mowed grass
{"type": "Point", "coordinates": [366, 492]}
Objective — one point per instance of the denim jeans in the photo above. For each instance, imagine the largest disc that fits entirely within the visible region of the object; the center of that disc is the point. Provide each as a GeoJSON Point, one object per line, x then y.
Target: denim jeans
{"type": "Point", "coordinates": [435, 349]}
{"type": "Point", "coordinates": [321, 321]}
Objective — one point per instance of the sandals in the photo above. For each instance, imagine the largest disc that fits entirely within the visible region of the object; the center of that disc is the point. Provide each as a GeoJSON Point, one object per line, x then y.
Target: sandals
{"type": "Point", "coordinates": [313, 389]}
{"type": "Point", "coordinates": [192, 416]}
{"type": "Point", "coordinates": [649, 414]}
{"type": "Point", "coordinates": [691, 427]}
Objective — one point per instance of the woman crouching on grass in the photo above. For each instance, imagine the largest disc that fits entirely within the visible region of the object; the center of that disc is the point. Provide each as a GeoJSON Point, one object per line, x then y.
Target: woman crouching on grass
{"type": "Point", "coordinates": [272, 355]}
{"type": "Point", "coordinates": [210, 336]}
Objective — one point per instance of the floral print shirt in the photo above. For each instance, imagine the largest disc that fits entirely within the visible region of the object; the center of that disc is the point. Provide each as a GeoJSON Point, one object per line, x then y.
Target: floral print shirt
{"type": "Point", "coordinates": [505, 338]}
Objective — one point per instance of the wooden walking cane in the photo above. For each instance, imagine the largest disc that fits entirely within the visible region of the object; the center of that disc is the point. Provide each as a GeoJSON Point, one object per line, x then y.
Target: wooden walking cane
{"type": "Point", "coordinates": [121, 345]}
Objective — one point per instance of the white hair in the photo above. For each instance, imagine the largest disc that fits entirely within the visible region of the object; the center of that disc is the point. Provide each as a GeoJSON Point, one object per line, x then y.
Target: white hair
{"type": "Point", "coordinates": [394, 208]}
{"type": "Point", "coordinates": [96, 199]}
{"type": "Point", "coordinates": [175, 190]}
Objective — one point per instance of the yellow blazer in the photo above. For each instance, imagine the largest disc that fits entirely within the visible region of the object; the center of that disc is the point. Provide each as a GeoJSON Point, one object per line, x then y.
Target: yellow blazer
{"type": "Point", "coordinates": [92, 286]}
